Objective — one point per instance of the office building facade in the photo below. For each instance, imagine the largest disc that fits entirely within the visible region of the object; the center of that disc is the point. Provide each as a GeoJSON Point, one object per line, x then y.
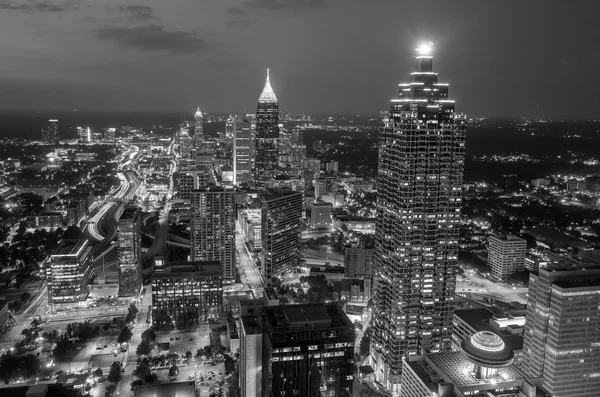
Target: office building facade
{"type": "Point", "coordinates": [267, 135]}
{"type": "Point", "coordinates": [213, 228]}
{"type": "Point", "coordinates": [50, 134]}
{"type": "Point", "coordinates": [198, 129]}
{"type": "Point", "coordinates": [129, 238]}
{"type": "Point", "coordinates": [250, 364]}
{"type": "Point", "coordinates": [562, 332]}
{"type": "Point", "coordinates": [308, 350]}
{"type": "Point", "coordinates": [69, 273]}
{"type": "Point", "coordinates": [281, 220]}
{"type": "Point", "coordinates": [242, 165]}
{"type": "Point", "coordinates": [420, 171]}
{"type": "Point", "coordinates": [506, 255]}
{"type": "Point", "coordinates": [187, 292]}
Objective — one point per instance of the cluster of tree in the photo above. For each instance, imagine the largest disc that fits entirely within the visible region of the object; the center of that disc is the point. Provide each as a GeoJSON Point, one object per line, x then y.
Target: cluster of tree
{"type": "Point", "coordinates": [82, 331]}
{"type": "Point", "coordinates": [125, 335]}
{"type": "Point", "coordinates": [14, 367]}
{"type": "Point", "coordinates": [519, 277]}
{"type": "Point", "coordinates": [145, 347]}
{"type": "Point", "coordinates": [365, 343]}
{"type": "Point", "coordinates": [131, 313]}
{"type": "Point", "coordinates": [115, 374]}
{"type": "Point", "coordinates": [213, 353]}
{"type": "Point", "coordinates": [143, 373]}
{"type": "Point", "coordinates": [162, 321]}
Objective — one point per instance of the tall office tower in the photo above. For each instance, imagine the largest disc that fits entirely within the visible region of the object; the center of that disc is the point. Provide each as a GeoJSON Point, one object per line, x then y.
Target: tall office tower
{"type": "Point", "coordinates": [198, 129]}
{"type": "Point", "coordinates": [241, 151]}
{"type": "Point", "coordinates": [308, 350]}
{"type": "Point", "coordinates": [562, 332]}
{"type": "Point", "coordinates": [108, 134]}
{"type": "Point", "coordinates": [85, 134]}
{"type": "Point", "coordinates": [250, 366]}
{"type": "Point", "coordinates": [50, 135]}
{"type": "Point", "coordinates": [506, 255]}
{"type": "Point", "coordinates": [251, 117]}
{"type": "Point", "coordinates": [421, 162]}
{"type": "Point", "coordinates": [213, 228]}
{"type": "Point", "coordinates": [267, 134]}
{"type": "Point", "coordinates": [281, 218]}
{"type": "Point", "coordinates": [129, 237]}
{"type": "Point", "coordinates": [332, 167]}
{"type": "Point", "coordinates": [69, 273]}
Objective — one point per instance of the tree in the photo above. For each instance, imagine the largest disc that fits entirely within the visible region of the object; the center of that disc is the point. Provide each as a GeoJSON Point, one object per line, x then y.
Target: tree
{"type": "Point", "coordinates": [365, 343]}
{"type": "Point", "coordinates": [144, 348]}
{"type": "Point", "coordinates": [143, 372]}
{"type": "Point", "coordinates": [116, 372]}
{"type": "Point", "coordinates": [229, 364]}
{"type": "Point", "coordinates": [174, 370]}
{"type": "Point", "coordinates": [149, 335]}
{"type": "Point", "coordinates": [16, 306]}
{"type": "Point", "coordinates": [110, 390]}
{"type": "Point", "coordinates": [98, 372]}
{"type": "Point", "coordinates": [136, 383]}
{"type": "Point", "coordinates": [132, 313]}
{"type": "Point", "coordinates": [188, 355]}
{"type": "Point", "coordinates": [125, 335]}
{"type": "Point", "coordinates": [61, 346]}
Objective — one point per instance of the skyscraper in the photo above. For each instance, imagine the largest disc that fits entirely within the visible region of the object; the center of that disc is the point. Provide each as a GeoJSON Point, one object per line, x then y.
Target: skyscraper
{"type": "Point", "coordinates": [198, 128]}
{"type": "Point", "coordinates": [421, 161]}
{"type": "Point", "coordinates": [241, 151]}
{"type": "Point", "coordinates": [281, 220]}
{"type": "Point", "coordinates": [69, 273]}
{"type": "Point", "coordinates": [213, 228]}
{"type": "Point", "coordinates": [50, 135]}
{"type": "Point", "coordinates": [85, 134]}
{"type": "Point", "coordinates": [506, 255]}
{"type": "Point", "coordinates": [129, 237]}
{"type": "Point", "coordinates": [562, 332]}
{"type": "Point", "coordinates": [267, 134]}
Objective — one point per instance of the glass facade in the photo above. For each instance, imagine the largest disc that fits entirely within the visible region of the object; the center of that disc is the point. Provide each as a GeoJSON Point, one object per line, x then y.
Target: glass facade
{"type": "Point", "coordinates": [267, 135]}
{"type": "Point", "coordinates": [69, 273]}
{"type": "Point", "coordinates": [129, 237]}
{"type": "Point", "coordinates": [419, 188]}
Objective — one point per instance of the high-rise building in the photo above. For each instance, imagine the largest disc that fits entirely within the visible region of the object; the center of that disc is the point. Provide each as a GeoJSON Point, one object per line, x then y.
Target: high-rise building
{"type": "Point", "coordinates": [250, 366]}
{"type": "Point", "coordinates": [506, 255]}
{"type": "Point", "coordinates": [108, 134]}
{"type": "Point", "coordinates": [50, 135]}
{"type": "Point", "coordinates": [198, 129]}
{"type": "Point", "coordinates": [69, 273]}
{"type": "Point", "coordinates": [308, 350]}
{"type": "Point", "coordinates": [186, 292]}
{"type": "Point", "coordinates": [213, 228]}
{"type": "Point", "coordinates": [242, 164]}
{"type": "Point", "coordinates": [332, 167]}
{"type": "Point", "coordinates": [562, 332]}
{"type": "Point", "coordinates": [320, 215]}
{"type": "Point", "coordinates": [325, 186]}
{"type": "Point", "coordinates": [192, 178]}
{"type": "Point", "coordinates": [129, 237]}
{"type": "Point", "coordinates": [421, 162]}
{"type": "Point", "coordinates": [358, 262]}
{"type": "Point", "coordinates": [267, 135]}
{"type": "Point", "coordinates": [281, 220]}
{"type": "Point", "coordinates": [85, 134]}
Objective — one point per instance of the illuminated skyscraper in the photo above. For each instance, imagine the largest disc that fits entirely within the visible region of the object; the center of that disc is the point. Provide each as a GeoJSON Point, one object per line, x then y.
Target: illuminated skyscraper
{"type": "Point", "coordinates": [69, 273]}
{"type": "Point", "coordinates": [129, 237]}
{"type": "Point", "coordinates": [421, 162]}
{"type": "Point", "coordinates": [50, 135]}
{"type": "Point", "coordinates": [241, 151]}
{"type": "Point", "coordinates": [213, 228]}
{"type": "Point", "coordinates": [281, 221]}
{"type": "Point", "coordinates": [85, 134]}
{"type": "Point", "coordinates": [198, 128]}
{"type": "Point", "coordinates": [267, 134]}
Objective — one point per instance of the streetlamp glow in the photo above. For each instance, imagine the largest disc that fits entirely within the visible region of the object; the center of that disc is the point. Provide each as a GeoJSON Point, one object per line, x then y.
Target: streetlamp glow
{"type": "Point", "coordinates": [425, 48]}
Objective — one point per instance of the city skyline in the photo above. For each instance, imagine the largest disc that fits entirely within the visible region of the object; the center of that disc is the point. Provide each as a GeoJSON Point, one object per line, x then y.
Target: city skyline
{"type": "Point", "coordinates": [156, 57]}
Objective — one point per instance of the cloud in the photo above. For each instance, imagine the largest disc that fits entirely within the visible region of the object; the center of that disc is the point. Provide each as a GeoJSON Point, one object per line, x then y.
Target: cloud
{"type": "Point", "coordinates": [285, 5]}
{"type": "Point", "coordinates": [137, 12]}
{"type": "Point", "coordinates": [152, 38]}
{"type": "Point", "coordinates": [238, 23]}
{"type": "Point", "coordinates": [235, 11]}
{"type": "Point", "coordinates": [35, 5]}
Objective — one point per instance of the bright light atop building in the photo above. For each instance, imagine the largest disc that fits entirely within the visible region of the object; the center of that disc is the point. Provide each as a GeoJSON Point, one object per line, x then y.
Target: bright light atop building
{"type": "Point", "coordinates": [425, 48]}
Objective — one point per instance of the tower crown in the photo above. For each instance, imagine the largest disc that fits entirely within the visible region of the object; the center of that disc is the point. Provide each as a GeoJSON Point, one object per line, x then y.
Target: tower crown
{"type": "Point", "coordinates": [267, 94]}
{"type": "Point", "coordinates": [198, 113]}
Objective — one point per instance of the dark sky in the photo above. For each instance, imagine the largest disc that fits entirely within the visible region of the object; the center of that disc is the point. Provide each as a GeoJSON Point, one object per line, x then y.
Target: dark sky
{"type": "Point", "coordinates": [502, 58]}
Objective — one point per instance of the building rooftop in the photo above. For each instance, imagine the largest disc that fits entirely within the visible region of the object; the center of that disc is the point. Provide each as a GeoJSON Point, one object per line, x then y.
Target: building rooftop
{"type": "Point", "coordinates": [282, 319]}
{"type": "Point", "coordinates": [178, 389]}
{"type": "Point", "coordinates": [310, 316]}
{"type": "Point", "coordinates": [419, 370]}
{"type": "Point", "coordinates": [273, 193]}
{"type": "Point", "coordinates": [479, 319]}
{"type": "Point", "coordinates": [129, 213]}
{"type": "Point", "coordinates": [195, 269]}
{"type": "Point", "coordinates": [252, 325]}
{"type": "Point", "coordinates": [71, 248]}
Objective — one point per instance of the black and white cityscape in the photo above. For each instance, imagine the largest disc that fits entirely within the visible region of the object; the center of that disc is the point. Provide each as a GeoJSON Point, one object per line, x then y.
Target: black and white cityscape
{"type": "Point", "coordinates": [275, 198]}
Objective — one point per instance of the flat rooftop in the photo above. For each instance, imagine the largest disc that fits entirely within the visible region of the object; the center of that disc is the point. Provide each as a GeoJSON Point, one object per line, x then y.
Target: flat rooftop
{"type": "Point", "coordinates": [315, 316]}
{"type": "Point", "coordinates": [183, 269]}
{"type": "Point", "coordinates": [179, 389]}
{"type": "Point", "coordinates": [252, 325]}
{"type": "Point", "coordinates": [70, 248]}
{"type": "Point", "coordinates": [309, 316]}
{"type": "Point", "coordinates": [478, 320]}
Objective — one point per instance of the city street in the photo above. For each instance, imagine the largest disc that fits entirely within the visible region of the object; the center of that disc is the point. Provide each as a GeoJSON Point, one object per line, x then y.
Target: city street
{"type": "Point", "coordinates": [249, 272]}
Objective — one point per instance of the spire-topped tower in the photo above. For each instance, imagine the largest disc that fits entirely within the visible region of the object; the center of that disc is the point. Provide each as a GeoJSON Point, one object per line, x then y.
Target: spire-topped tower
{"type": "Point", "coordinates": [419, 184]}
{"type": "Point", "coordinates": [267, 94]}
{"type": "Point", "coordinates": [198, 128]}
{"type": "Point", "coordinates": [267, 135]}
{"type": "Point", "coordinates": [198, 113]}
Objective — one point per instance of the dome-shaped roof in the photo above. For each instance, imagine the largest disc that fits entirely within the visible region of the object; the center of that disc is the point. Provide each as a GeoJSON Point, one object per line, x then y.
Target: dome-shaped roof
{"type": "Point", "coordinates": [488, 349]}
